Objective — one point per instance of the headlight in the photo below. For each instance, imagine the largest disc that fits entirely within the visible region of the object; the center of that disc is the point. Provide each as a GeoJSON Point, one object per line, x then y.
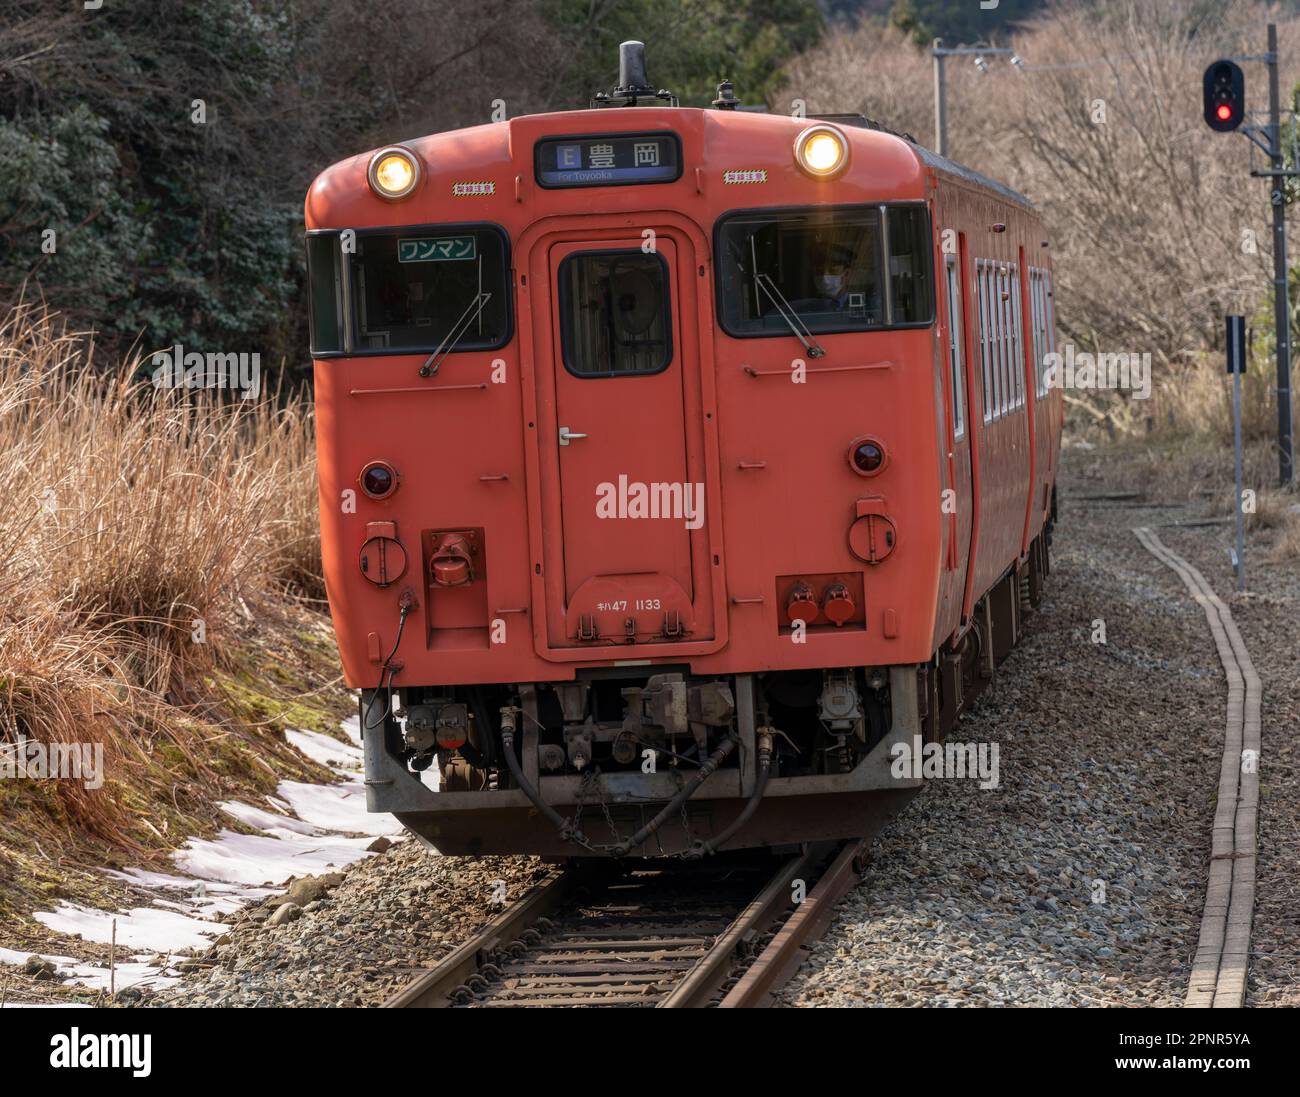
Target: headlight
{"type": "Point", "coordinates": [394, 172]}
{"type": "Point", "coordinates": [821, 151]}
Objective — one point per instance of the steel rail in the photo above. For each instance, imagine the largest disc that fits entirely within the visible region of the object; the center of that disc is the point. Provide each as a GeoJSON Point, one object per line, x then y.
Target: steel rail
{"type": "Point", "coordinates": [698, 960]}
{"type": "Point", "coordinates": [787, 950]}
{"type": "Point", "coordinates": [435, 987]}
{"type": "Point", "coordinates": [1221, 965]}
{"type": "Point", "coordinates": [702, 983]}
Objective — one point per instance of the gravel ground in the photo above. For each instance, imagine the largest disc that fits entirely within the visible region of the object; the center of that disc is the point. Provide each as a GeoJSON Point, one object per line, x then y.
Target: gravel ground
{"type": "Point", "coordinates": [358, 937]}
{"type": "Point", "coordinates": [1109, 762]}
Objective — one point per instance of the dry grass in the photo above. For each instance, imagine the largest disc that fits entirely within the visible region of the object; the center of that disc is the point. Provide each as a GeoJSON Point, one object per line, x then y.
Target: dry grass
{"type": "Point", "coordinates": [156, 549]}
{"type": "Point", "coordinates": [1198, 400]}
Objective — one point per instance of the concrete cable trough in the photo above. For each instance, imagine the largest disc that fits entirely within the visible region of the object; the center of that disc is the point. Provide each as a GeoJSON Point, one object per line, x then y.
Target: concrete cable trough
{"type": "Point", "coordinates": [1220, 967]}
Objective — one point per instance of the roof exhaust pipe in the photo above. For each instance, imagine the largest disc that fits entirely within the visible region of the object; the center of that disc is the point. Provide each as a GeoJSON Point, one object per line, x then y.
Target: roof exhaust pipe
{"type": "Point", "coordinates": [631, 69]}
{"type": "Point", "coordinates": [634, 87]}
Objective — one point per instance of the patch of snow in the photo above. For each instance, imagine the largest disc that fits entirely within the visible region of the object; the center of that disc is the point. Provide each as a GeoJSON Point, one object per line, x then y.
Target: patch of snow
{"type": "Point", "coordinates": [327, 751]}
{"type": "Point", "coordinates": [138, 971]}
{"type": "Point", "coordinates": [340, 808]}
{"type": "Point", "coordinates": [262, 819]}
{"type": "Point", "coordinates": [325, 828]}
{"type": "Point", "coordinates": [139, 927]}
{"type": "Point", "coordinates": [264, 860]}
{"type": "Point", "coordinates": [162, 880]}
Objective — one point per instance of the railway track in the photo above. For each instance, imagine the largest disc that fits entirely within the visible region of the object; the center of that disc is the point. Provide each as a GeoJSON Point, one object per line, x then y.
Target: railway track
{"type": "Point", "coordinates": [725, 932]}
{"type": "Point", "coordinates": [1220, 966]}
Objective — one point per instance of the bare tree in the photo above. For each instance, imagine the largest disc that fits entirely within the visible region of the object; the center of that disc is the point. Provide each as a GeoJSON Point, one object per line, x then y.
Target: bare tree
{"type": "Point", "coordinates": [1156, 227]}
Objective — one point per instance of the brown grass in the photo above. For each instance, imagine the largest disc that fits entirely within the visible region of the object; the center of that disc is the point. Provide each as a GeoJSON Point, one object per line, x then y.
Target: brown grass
{"type": "Point", "coordinates": [132, 516]}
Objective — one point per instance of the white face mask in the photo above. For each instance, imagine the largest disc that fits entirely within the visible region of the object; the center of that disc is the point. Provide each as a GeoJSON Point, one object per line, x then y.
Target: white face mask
{"type": "Point", "coordinates": [830, 284]}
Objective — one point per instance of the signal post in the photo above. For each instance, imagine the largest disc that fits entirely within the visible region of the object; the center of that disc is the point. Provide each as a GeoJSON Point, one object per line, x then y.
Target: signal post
{"type": "Point", "coordinates": [1225, 110]}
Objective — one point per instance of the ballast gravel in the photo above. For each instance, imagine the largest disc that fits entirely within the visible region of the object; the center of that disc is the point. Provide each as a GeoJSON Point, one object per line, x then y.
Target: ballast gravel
{"type": "Point", "coordinates": [361, 940]}
{"type": "Point", "coordinates": [1080, 880]}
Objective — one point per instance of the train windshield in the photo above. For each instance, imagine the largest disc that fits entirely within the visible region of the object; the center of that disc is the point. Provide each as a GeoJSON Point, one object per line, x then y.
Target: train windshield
{"type": "Point", "coordinates": [409, 291]}
{"type": "Point", "coordinates": [827, 266]}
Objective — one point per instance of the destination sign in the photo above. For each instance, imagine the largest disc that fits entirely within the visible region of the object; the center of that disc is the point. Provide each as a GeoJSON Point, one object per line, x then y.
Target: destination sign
{"type": "Point", "coordinates": [608, 160]}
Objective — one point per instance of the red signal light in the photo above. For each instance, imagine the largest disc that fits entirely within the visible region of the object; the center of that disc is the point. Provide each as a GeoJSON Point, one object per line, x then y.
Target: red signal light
{"type": "Point", "coordinates": [1224, 96]}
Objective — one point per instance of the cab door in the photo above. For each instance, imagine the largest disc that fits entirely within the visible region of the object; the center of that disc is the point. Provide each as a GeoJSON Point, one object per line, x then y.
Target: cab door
{"type": "Point", "coordinates": [954, 434]}
{"type": "Point", "coordinates": [625, 518]}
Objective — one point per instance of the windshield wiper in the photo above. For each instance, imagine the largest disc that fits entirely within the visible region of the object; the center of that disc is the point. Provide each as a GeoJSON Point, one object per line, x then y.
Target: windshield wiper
{"type": "Point", "coordinates": [434, 361]}
{"type": "Point", "coordinates": [786, 310]}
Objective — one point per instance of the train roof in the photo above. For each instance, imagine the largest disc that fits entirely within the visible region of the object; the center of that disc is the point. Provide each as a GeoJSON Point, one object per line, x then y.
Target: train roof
{"type": "Point", "coordinates": [942, 163]}
{"type": "Point", "coordinates": [728, 139]}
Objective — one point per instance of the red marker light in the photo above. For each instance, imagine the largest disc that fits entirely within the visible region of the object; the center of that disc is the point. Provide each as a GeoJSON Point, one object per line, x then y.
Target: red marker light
{"type": "Point", "coordinates": [866, 456]}
{"type": "Point", "coordinates": [379, 480]}
{"type": "Point", "coordinates": [1224, 112]}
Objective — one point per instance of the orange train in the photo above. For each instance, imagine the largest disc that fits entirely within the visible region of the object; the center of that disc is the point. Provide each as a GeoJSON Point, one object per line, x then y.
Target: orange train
{"type": "Point", "coordinates": [675, 465]}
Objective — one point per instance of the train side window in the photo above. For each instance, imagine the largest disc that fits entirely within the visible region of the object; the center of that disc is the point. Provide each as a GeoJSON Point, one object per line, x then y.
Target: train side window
{"type": "Point", "coordinates": [910, 292]}
{"type": "Point", "coordinates": [1021, 336]}
{"type": "Point", "coordinates": [325, 297]}
{"type": "Point", "coordinates": [1035, 338]}
{"type": "Point", "coordinates": [999, 345]}
{"type": "Point", "coordinates": [1008, 335]}
{"type": "Point", "coordinates": [986, 372]}
{"type": "Point", "coordinates": [1043, 347]}
{"type": "Point", "coordinates": [978, 340]}
{"type": "Point", "coordinates": [1017, 340]}
{"type": "Point", "coordinates": [1041, 352]}
{"type": "Point", "coordinates": [614, 313]}
{"type": "Point", "coordinates": [1004, 303]}
{"type": "Point", "coordinates": [996, 308]}
{"type": "Point", "coordinates": [989, 346]}
{"type": "Point", "coordinates": [1049, 320]}
{"type": "Point", "coordinates": [955, 334]}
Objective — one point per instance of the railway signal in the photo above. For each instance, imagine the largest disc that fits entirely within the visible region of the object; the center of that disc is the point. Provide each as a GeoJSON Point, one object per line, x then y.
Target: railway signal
{"type": "Point", "coordinates": [1225, 96]}
{"type": "Point", "coordinates": [1236, 341]}
{"type": "Point", "coordinates": [1225, 106]}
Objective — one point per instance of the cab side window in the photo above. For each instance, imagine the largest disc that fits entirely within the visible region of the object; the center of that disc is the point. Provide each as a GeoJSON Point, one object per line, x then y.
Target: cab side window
{"type": "Point", "coordinates": [955, 337]}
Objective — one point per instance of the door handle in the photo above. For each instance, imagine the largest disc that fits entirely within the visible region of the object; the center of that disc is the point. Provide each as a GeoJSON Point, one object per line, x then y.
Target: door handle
{"type": "Point", "coordinates": [566, 436]}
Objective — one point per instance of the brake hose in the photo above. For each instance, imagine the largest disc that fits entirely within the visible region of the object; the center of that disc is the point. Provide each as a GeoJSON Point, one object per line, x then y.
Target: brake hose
{"type": "Point", "coordinates": [701, 849]}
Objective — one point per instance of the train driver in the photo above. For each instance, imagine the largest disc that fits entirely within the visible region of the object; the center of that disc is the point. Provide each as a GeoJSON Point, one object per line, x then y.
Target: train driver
{"type": "Point", "coordinates": [832, 267]}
